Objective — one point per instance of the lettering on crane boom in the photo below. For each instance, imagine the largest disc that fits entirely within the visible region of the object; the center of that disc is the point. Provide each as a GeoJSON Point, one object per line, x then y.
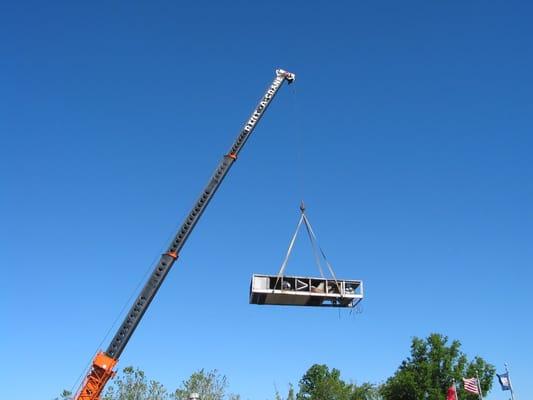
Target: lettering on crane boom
{"type": "Point", "coordinates": [263, 103]}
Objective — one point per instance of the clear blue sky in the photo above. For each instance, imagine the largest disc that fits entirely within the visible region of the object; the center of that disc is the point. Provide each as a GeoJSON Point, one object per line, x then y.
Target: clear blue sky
{"type": "Point", "coordinates": [408, 132]}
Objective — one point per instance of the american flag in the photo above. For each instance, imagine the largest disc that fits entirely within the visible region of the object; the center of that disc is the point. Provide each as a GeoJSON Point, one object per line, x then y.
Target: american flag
{"type": "Point", "coordinates": [471, 385]}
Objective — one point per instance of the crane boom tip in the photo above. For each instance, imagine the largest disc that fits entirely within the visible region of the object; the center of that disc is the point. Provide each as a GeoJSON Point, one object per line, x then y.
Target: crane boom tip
{"type": "Point", "coordinates": [287, 75]}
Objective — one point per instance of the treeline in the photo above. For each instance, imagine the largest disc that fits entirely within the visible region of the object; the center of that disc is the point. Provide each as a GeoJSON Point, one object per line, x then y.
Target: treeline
{"type": "Point", "coordinates": [433, 366]}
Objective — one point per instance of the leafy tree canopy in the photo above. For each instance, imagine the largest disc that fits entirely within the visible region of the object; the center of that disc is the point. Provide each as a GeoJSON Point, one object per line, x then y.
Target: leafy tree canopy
{"type": "Point", "coordinates": [433, 366]}
{"type": "Point", "coordinates": [65, 395]}
{"type": "Point", "coordinates": [210, 385]}
{"type": "Point", "coordinates": [367, 391]}
{"type": "Point", "coordinates": [319, 383]}
{"type": "Point", "coordinates": [132, 384]}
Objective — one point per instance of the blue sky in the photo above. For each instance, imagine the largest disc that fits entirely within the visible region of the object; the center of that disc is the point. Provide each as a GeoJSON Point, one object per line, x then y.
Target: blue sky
{"type": "Point", "coordinates": [408, 132]}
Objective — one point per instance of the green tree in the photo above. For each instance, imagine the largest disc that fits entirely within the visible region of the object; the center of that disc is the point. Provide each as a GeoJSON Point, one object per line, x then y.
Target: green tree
{"type": "Point", "coordinates": [290, 394]}
{"type": "Point", "coordinates": [319, 383]}
{"type": "Point", "coordinates": [366, 391]}
{"type": "Point", "coordinates": [210, 385]}
{"type": "Point", "coordinates": [484, 371]}
{"type": "Point", "coordinates": [65, 395]}
{"type": "Point", "coordinates": [431, 369]}
{"type": "Point", "coordinates": [132, 384]}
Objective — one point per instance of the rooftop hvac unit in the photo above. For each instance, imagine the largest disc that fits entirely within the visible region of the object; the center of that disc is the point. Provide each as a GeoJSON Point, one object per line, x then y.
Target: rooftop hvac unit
{"type": "Point", "coordinates": [305, 291]}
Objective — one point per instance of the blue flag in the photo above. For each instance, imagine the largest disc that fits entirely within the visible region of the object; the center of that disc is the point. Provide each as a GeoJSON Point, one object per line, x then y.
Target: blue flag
{"type": "Point", "coordinates": [504, 381]}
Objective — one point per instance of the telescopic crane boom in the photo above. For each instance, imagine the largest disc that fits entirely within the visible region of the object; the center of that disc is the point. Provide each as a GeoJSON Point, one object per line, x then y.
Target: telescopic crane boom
{"type": "Point", "coordinates": [102, 368]}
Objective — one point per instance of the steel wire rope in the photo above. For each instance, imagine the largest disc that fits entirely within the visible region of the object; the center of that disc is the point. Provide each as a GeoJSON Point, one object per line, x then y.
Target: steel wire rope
{"type": "Point", "coordinates": [315, 240]}
{"type": "Point", "coordinates": [313, 246]}
{"type": "Point", "coordinates": [289, 251]}
{"type": "Point", "coordinates": [301, 181]}
{"type": "Point", "coordinates": [300, 142]}
{"type": "Point", "coordinates": [299, 171]}
{"type": "Point", "coordinates": [297, 177]}
{"type": "Point", "coordinates": [301, 186]}
{"type": "Point", "coordinates": [317, 250]}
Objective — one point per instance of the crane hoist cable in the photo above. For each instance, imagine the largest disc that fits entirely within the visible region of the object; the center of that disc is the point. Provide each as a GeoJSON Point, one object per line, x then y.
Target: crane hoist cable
{"type": "Point", "coordinates": [299, 143]}
{"type": "Point", "coordinates": [300, 183]}
{"type": "Point", "coordinates": [284, 290]}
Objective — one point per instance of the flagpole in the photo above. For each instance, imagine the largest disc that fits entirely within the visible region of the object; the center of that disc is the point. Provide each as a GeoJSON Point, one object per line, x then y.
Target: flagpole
{"type": "Point", "coordinates": [479, 386]}
{"type": "Point", "coordinates": [510, 383]}
{"type": "Point", "coordinates": [455, 387]}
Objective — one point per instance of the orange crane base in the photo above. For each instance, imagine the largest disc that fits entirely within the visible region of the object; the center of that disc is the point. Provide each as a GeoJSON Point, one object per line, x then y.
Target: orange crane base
{"type": "Point", "coordinates": [101, 372]}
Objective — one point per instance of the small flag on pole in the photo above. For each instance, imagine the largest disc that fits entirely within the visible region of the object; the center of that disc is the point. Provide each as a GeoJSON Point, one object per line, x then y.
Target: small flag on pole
{"type": "Point", "coordinates": [452, 393]}
{"type": "Point", "coordinates": [504, 381]}
{"type": "Point", "coordinates": [471, 385]}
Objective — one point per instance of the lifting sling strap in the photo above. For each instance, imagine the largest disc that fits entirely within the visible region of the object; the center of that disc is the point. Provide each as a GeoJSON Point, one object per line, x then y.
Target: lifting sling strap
{"type": "Point", "coordinates": [317, 250]}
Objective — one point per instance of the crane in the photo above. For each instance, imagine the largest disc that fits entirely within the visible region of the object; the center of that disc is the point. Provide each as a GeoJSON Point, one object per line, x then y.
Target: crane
{"type": "Point", "coordinates": [103, 364]}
